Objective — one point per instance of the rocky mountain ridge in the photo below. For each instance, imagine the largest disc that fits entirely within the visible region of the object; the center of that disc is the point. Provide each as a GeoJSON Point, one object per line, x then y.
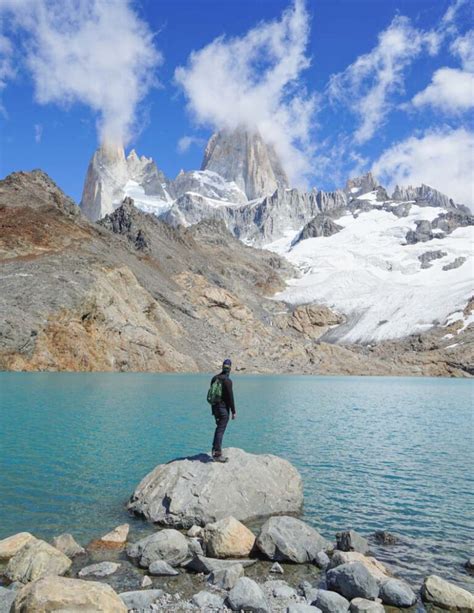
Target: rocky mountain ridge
{"type": "Point", "coordinates": [134, 293]}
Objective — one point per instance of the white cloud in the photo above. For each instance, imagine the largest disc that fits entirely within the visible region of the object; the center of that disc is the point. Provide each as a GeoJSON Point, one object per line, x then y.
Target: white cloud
{"type": "Point", "coordinates": [38, 132]}
{"type": "Point", "coordinates": [254, 81]}
{"type": "Point", "coordinates": [463, 46]}
{"type": "Point", "coordinates": [186, 142]}
{"type": "Point", "coordinates": [442, 159]}
{"type": "Point", "coordinates": [451, 90]}
{"type": "Point", "coordinates": [7, 71]}
{"type": "Point", "coordinates": [97, 53]}
{"type": "Point", "coordinates": [367, 85]}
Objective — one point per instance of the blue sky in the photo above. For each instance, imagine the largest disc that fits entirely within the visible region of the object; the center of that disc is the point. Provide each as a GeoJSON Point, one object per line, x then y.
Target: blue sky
{"type": "Point", "coordinates": [365, 103]}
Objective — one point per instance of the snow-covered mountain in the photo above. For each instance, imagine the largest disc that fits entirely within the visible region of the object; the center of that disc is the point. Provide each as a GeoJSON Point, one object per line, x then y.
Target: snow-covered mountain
{"type": "Point", "coordinates": [392, 265]}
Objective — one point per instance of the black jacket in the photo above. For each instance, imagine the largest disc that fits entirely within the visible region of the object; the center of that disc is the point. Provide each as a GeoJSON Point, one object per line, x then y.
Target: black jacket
{"type": "Point", "coordinates": [227, 392]}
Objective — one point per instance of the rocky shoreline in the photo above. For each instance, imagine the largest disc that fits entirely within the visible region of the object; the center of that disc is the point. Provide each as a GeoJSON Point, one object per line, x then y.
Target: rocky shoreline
{"type": "Point", "coordinates": [202, 557]}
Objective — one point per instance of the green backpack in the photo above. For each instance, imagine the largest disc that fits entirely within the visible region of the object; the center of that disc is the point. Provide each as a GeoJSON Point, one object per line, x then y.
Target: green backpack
{"type": "Point", "coordinates": [214, 395]}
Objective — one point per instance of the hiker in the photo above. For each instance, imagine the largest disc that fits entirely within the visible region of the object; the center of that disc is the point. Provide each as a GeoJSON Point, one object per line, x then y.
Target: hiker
{"type": "Point", "coordinates": [221, 399]}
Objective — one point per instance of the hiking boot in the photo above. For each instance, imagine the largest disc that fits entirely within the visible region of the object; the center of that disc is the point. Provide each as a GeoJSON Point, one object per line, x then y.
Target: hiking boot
{"type": "Point", "coordinates": [220, 458]}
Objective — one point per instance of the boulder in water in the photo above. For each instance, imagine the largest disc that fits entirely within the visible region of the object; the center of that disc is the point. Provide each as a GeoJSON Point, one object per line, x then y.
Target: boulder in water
{"type": "Point", "coordinates": [248, 596]}
{"type": "Point", "coordinates": [446, 595]}
{"type": "Point", "coordinates": [350, 540]}
{"type": "Point", "coordinates": [352, 580]}
{"type": "Point", "coordinates": [287, 539]}
{"type": "Point", "coordinates": [196, 490]}
{"type": "Point", "coordinates": [68, 545]}
{"type": "Point", "coordinates": [228, 538]}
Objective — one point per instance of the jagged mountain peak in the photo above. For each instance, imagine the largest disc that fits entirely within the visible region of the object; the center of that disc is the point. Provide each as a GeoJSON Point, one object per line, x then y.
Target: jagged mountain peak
{"type": "Point", "coordinates": [362, 184]}
{"type": "Point", "coordinates": [242, 156]}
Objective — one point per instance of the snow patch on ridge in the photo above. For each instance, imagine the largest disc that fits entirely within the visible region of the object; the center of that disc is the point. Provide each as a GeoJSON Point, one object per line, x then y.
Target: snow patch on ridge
{"type": "Point", "coordinates": [367, 272]}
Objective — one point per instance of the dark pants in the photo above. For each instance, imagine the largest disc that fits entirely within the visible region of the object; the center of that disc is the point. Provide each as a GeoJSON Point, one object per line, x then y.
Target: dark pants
{"type": "Point", "coordinates": [221, 415]}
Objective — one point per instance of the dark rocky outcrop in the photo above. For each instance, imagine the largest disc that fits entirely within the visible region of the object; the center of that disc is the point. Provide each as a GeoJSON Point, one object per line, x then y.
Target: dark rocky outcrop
{"type": "Point", "coordinates": [429, 256]}
{"type": "Point", "coordinates": [320, 225]}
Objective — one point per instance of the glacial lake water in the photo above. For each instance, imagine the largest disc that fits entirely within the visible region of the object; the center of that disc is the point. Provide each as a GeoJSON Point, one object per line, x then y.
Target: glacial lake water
{"type": "Point", "coordinates": [374, 453]}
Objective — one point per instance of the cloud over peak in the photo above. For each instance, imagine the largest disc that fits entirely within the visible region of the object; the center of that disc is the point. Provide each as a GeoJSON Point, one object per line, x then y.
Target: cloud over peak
{"type": "Point", "coordinates": [97, 53]}
{"type": "Point", "coordinates": [254, 81]}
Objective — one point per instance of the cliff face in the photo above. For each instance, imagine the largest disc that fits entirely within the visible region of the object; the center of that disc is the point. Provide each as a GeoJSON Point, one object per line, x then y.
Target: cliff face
{"type": "Point", "coordinates": [133, 293]}
{"type": "Point", "coordinates": [243, 157]}
{"type": "Point", "coordinates": [108, 174]}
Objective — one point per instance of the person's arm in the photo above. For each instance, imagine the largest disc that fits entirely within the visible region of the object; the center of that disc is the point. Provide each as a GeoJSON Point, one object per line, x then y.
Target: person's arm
{"type": "Point", "coordinates": [230, 396]}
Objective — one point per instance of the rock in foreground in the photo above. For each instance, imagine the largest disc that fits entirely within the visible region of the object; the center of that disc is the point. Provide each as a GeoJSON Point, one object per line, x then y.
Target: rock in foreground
{"type": "Point", "coordinates": [196, 490]}
{"type": "Point", "coordinates": [61, 594]}
{"type": "Point", "coordinates": [446, 595]}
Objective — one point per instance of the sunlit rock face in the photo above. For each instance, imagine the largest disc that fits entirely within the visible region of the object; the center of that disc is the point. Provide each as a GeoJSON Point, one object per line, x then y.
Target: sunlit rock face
{"type": "Point", "coordinates": [244, 157]}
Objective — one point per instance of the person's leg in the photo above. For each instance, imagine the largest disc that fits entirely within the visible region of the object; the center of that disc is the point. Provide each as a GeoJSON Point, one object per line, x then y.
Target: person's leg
{"type": "Point", "coordinates": [222, 418]}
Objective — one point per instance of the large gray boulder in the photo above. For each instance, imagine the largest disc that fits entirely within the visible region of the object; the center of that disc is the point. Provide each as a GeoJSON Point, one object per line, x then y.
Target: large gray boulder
{"type": "Point", "coordinates": [287, 539]}
{"type": "Point", "coordinates": [301, 607]}
{"type": "Point", "coordinates": [445, 595]}
{"type": "Point", "coordinates": [248, 596]}
{"type": "Point", "coordinates": [330, 602]}
{"type": "Point", "coordinates": [167, 545]}
{"type": "Point", "coordinates": [352, 580]}
{"type": "Point", "coordinates": [227, 577]}
{"type": "Point", "coordinates": [397, 593]}
{"type": "Point", "coordinates": [141, 599]}
{"type": "Point", "coordinates": [350, 540]}
{"type": "Point", "coordinates": [196, 490]}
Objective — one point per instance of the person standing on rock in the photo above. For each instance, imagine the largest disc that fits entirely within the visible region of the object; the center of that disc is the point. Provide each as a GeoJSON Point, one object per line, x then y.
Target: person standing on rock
{"type": "Point", "coordinates": [221, 398]}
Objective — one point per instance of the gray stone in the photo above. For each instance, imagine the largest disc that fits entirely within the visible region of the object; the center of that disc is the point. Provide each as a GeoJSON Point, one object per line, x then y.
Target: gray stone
{"type": "Point", "coordinates": [195, 547]}
{"type": "Point", "coordinates": [300, 607]}
{"type": "Point", "coordinates": [456, 263]}
{"type": "Point", "coordinates": [6, 599]}
{"type": "Point", "coordinates": [352, 580]}
{"type": "Point", "coordinates": [422, 233]}
{"type": "Point", "coordinates": [227, 577]}
{"type": "Point", "coordinates": [35, 560]}
{"type": "Point", "coordinates": [140, 599]}
{"type": "Point", "coordinates": [287, 539]}
{"type": "Point", "coordinates": [284, 591]}
{"type": "Point", "coordinates": [362, 605]}
{"type": "Point", "coordinates": [330, 602]}
{"type": "Point", "coordinates": [382, 537]}
{"type": "Point", "coordinates": [208, 600]}
{"type": "Point", "coordinates": [445, 595]}
{"type": "Point", "coordinates": [102, 569]}
{"type": "Point", "coordinates": [469, 564]}
{"type": "Point", "coordinates": [147, 582]}
{"type": "Point", "coordinates": [68, 545]}
{"type": "Point", "coordinates": [320, 225]}
{"type": "Point", "coordinates": [427, 257]}
{"type": "Point", "coordinates": [247, 595]}
{"type": "Point", "coordinates": [322, 560]}
{"type": "Point", "coordinates": [168, 545]}
{"type": "Point", "coordinates": [201, 564]}
{"type": "Point", "coordinates": [277, 568]}
{"type": "Point", "coordinates": [401, 210]}
{"type": "Point", "coordinates": [350, 540]}
{"type": "Point", "coordinates": [397, 593]}
{"type": "Point", "coordinates": [199, 491]}
{"type": "Point", "coordinates": [160, 567]}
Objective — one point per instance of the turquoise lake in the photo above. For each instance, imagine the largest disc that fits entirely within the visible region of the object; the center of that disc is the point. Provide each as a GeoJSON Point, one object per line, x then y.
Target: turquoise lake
{"type": "Point", "coordinates": [374, 453]}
